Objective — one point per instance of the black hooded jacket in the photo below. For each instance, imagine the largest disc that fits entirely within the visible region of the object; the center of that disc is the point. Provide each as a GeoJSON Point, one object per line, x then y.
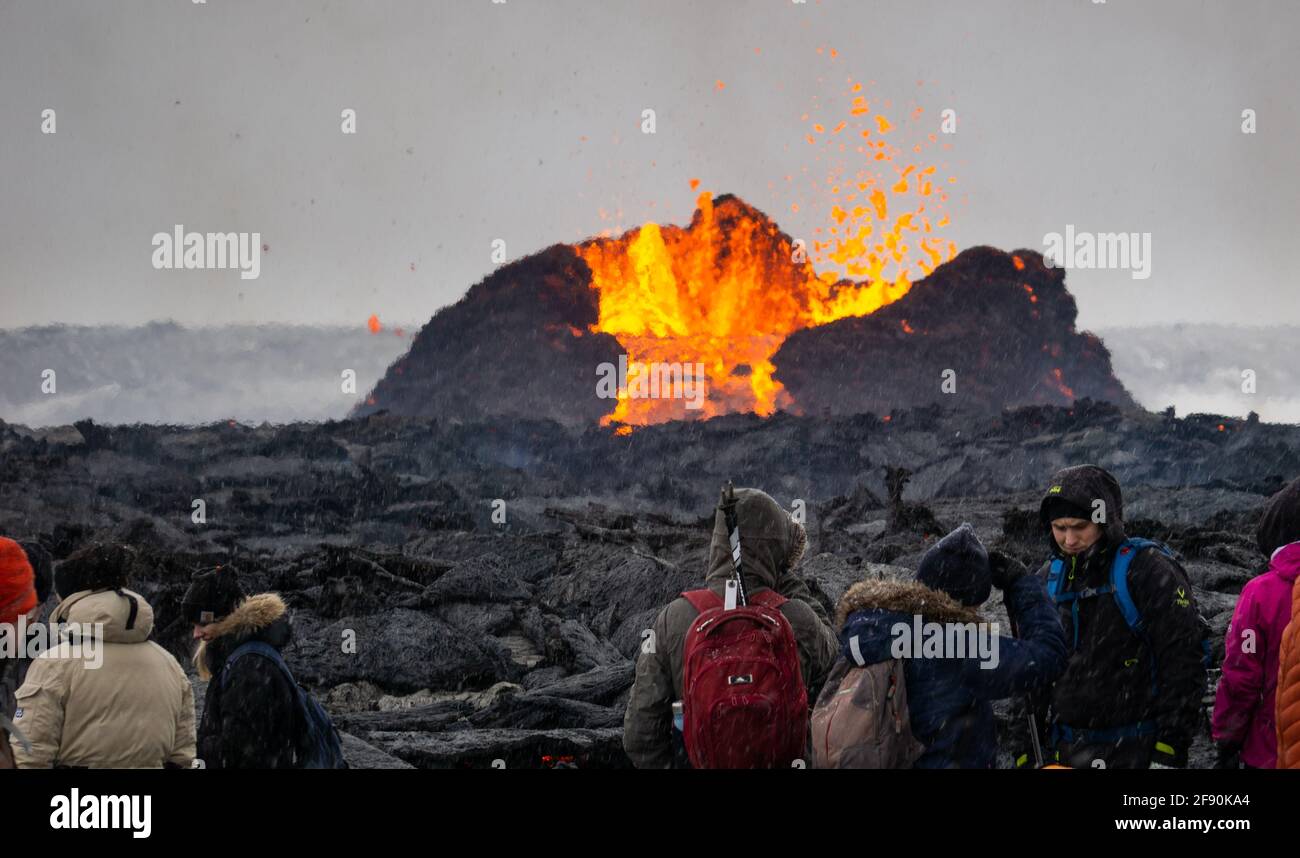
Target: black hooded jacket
{"type": "Point", "coordinates": [1280, 524]}
{"type": "Point", "coordinates": [1107, 682]}
{"type": "Point", "coordinates": [250, 718]}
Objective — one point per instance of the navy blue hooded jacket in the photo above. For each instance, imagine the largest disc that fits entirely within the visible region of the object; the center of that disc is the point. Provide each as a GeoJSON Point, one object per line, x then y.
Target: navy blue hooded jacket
{"type": "Point", "coordinates": [951, 699]}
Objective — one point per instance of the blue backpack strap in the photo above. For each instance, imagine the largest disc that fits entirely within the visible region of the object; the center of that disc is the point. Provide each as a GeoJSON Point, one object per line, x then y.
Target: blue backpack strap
{"type": "Point", "coordinates": [1106, 735]}
{"type": "Point", "coordinates": [1119, 584]}
{"type": "Point", "coordinates": [1055, 571]}
{"type": "Point", "coordinates": [1129, 549]}
{"type": "Point", "coordinates": [263, 649]}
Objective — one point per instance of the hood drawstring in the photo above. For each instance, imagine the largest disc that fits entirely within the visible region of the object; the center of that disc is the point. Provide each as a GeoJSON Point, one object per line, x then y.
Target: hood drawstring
{"type": "Point", "coordinates": [65, 607]}
{"type": "Point", "coordinates": [135, 608]}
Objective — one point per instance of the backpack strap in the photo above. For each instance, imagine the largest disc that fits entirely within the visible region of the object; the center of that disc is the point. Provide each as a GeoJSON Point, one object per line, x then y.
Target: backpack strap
{"type": "Point", "coordinates": [703, 600]}
{"type": "Point", "coordinates": [1105, 735]}
{"type": "Point", "coordinates": [135, 607]}
{"type": "Point", "coordinates": [1129, 549]}
{"type": "Point", "coordinates": [1054, 574]}
{"type": "Point", "coordinates": [768, 598]}
{"type": "Point", "coordinates": [266, 651]}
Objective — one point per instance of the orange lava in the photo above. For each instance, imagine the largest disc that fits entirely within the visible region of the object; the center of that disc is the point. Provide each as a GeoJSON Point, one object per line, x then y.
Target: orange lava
{"type": "Point", "coordinates": [726, 291]}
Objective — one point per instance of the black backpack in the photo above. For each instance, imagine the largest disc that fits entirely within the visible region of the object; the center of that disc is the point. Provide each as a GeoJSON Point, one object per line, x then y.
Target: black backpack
{"type": "Point", "coordinates": [319, 746]}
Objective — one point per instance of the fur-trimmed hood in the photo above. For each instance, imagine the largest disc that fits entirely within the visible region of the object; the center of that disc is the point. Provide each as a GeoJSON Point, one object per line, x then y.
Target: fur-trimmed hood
{"type": "Point", "coordinates": [869, 611]}
{"type": "Point", "coordinates": [903, 597]}
{"type": "Point", "coordinates": [261, 617]}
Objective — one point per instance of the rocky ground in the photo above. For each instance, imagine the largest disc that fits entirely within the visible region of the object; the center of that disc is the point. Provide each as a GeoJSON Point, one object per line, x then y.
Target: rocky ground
{"type": "Point", "coordinates": [497, 577]}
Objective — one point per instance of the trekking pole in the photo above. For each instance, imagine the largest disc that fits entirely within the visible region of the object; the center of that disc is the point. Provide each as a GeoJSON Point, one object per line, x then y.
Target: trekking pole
{"type": "Point", "coordinates": [1039, 761]}
{"type": "Point", "coordinates": [7, 726]}
{"type": "Point", "coordinates": [733, 534]}
{"type": "Point", "coordinates": [1034, 740]}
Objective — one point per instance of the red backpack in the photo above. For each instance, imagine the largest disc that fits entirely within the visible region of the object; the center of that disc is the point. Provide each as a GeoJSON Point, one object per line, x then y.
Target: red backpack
{"type": "Point", "coordinates": [744, 701]}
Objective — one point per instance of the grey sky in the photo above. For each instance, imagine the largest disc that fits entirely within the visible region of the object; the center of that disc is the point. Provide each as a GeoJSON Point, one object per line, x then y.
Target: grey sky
{"type": "Point", "coordinates": [1122, 116]}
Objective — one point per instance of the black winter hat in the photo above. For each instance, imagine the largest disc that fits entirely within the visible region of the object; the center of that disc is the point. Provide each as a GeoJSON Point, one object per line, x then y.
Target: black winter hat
{"type": "Point", "coordinates": [42, 567]}
{"type": "Point", "coordinates": [99, 566]}
{"type": "Point", "coordinates": [1280, 524]}
{"type": "Point", "coordinates": [958, 565]}
{"type": "Point", "coordinates": [1054, 508]}
{"type": "Point", "coordinates": [213, 594]}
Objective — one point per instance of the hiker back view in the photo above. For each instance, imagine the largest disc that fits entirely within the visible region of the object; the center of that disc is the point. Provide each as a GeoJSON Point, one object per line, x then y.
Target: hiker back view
{"type": "Point", "coordinates": [106, 696]}
{"type": "Point", "coordinates": [1280, 528]}
{"type": "Point", "coordinates": [739, 657]}
{"type": "Point", "coordinates": [891, 705]}
{"type": "Point", "coordinates": [18, 599]}
{"type": "Point", "coordinates": [255, 716]}
{"type": "Point", "coordinates": [1244, 725]}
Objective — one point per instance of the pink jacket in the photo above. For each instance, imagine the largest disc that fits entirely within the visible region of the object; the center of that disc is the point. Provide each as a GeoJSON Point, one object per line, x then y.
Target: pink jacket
{"type": "Point", "coordinates": [1245, 703]}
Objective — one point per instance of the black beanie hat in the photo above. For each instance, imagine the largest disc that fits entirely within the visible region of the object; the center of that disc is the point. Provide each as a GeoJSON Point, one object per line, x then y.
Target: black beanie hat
{"type": "Point", "coordinates": [99, 566]}
{"type": "Point", "coordinates": [1054, 508]}
{"type": "Point", "coordinates": [213, 594]}
{"type": "Point", "coordinates": [42, 567]}
{"type": "Point", "coordinates": [958, 565]}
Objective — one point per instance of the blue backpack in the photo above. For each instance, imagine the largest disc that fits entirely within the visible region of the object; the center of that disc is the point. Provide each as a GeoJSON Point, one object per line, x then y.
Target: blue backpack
{"type": "Point", "coordinates": [1118, 587]}
{"type": "Point", "coordinates": [319, 746]}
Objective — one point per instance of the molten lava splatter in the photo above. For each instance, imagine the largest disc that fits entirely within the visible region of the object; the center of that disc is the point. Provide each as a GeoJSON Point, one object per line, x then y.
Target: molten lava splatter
{"type": "Point", "coordinates": [729, 289]}
{"type": "Point", "coordinates": [1058, 379]}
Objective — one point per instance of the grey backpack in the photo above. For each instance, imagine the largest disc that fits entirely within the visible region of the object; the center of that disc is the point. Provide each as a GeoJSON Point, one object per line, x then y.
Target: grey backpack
{"type": "Point", "coordinates": [861, 719]}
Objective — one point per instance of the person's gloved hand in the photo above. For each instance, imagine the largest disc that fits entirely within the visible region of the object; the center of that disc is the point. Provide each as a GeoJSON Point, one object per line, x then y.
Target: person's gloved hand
{"type": "Point", "coordinates": [1005, 571]}
{"type": "Point", "coordinates": [1229, 756]}
{"type": "Point", "coordinates": [1167, 756]}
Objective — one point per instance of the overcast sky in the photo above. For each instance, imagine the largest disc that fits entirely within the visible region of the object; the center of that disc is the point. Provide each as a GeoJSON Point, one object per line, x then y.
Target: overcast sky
{"type": "Point", "coordinates": [520, 120]}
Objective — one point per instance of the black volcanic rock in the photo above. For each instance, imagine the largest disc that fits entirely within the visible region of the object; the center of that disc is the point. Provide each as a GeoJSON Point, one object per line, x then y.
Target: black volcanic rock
{"type": "Point", "coordinates": [516, 642]}
{"type": "Point", "coordinates": [1005, 330]}
{"type": "Point", "coordinates": [517, 344]}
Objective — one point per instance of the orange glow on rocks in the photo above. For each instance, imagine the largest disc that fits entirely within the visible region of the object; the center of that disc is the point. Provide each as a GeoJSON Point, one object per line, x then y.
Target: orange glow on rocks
{"type": "Point", "coordinates": [726, 291]}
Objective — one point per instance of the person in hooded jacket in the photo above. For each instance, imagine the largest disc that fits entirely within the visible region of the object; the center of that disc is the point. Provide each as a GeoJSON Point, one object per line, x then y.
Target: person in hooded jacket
{"type": "Point", "coordinates": [1288, 691]}
{"type": "Point", "coordinates": [771, 545]}
{"type": "Point", "coordinates": [250, 715]}
{"type": "Point", "coordinates": [950, 698]}
{"type": "Point", "coordinates": [128, 706]}
{"type": "Point", "coordinates": [43, 579]}
{"type": "Point", "coordinates": [1280, 530]}
{"type": "Point", "coordinates": [1129, 699]}
{"type": "Point", "coordinates": [1245, 724]}
{"type": "Point", "coordinates": [18, 599]}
